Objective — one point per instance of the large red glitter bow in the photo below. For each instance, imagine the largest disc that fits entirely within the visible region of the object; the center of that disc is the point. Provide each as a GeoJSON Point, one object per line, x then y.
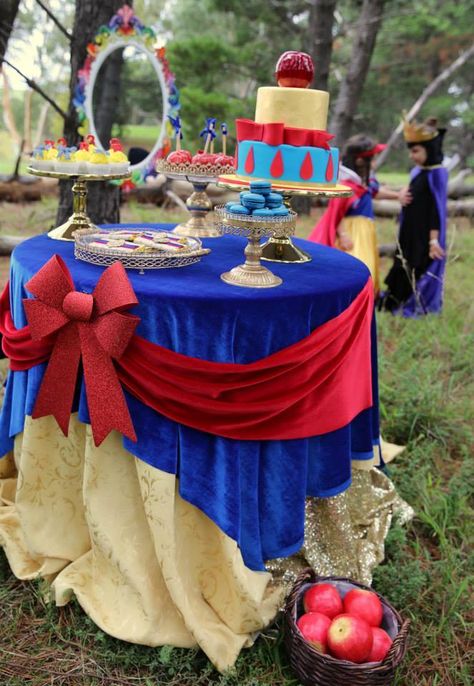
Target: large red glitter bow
{"type": "Point", "coordinates": [88, 327]}
{"type": "Point", "coordinates": [278, 133]}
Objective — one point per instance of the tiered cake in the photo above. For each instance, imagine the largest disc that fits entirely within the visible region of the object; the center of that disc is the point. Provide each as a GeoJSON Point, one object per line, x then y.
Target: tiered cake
{"type": "Point", "coordinates": [288, 144]}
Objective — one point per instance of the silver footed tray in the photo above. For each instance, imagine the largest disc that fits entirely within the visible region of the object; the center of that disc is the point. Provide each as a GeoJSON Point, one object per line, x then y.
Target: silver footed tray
{"type": "Point", "coordinates": [137, 248]}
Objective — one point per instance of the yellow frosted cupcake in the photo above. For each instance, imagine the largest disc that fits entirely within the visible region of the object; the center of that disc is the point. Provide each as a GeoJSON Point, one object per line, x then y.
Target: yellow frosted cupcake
{"type": "Point", "coordinates": [90, 140]}
{"type": "Point", "coordinates": [38, 159]}
{"type": "Point", "coordinates": [118, 160]}
{"type": "Point", "coordinates": [81, 158]}
{"type": "Point", "coordinates": [98, 163]}
{"type": "Point", "coordinates": [50, 154]}
{"type": "Point", "coordinates": [65, 163]}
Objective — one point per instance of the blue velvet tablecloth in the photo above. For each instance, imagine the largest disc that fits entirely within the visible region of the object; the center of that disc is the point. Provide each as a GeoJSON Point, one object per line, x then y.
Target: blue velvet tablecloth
{"type": "Point", "coordinates": [254, 490]}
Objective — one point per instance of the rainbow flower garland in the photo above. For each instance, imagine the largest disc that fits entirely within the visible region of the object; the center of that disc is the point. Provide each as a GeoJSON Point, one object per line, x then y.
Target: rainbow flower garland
{"type": "Point", "coordinates": [125, 24]}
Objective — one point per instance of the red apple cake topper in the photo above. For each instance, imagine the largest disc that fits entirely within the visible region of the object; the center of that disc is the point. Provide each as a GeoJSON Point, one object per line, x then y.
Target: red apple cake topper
{"type": "Point", "coordinates": [294, 69]}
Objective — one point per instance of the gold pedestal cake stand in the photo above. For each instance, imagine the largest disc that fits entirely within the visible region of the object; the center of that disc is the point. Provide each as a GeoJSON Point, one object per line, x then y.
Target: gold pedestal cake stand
{"type": "Point", "coordinates": [78, 219]}
{"type": "Point", "coordinates": [252, 274]}
{"type": "Point", "coordinates": [280, 247]}
{"type": "Point", "coordinates": [198, 203]}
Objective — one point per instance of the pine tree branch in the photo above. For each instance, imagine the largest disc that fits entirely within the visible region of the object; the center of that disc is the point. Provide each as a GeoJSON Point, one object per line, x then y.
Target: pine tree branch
{"type": "Point", "coordinates": [428, 91]}
{"type": "Point", "coordinates": [55, 20]}
{"type": "Point", "coordinates": [38, 89]}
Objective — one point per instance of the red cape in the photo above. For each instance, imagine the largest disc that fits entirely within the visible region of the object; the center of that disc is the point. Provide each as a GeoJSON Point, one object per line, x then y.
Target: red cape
{"type": "Point", "coordinates": [325, 230]}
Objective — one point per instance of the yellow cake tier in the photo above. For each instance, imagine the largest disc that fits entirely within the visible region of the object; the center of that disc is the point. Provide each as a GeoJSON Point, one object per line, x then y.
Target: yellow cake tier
{"type": "Point", "coordinates": [303, 108]}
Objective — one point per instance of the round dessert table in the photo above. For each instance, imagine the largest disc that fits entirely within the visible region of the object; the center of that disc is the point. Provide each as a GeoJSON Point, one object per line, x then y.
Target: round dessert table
{"type": "Point", "coordinates": [164, 540]}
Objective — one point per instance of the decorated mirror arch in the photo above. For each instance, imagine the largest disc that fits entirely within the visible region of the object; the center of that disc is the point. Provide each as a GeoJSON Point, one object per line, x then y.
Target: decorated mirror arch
{"type": "Point", "coordinates": [125, 31]}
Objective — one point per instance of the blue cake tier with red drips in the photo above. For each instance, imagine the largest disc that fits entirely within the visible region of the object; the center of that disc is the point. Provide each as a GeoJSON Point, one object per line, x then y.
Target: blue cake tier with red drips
{"type": "Point", "coordinates": [289, 163]}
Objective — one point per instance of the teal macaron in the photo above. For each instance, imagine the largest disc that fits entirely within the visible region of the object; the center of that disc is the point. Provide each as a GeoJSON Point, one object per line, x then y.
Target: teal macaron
{"type": "Point", "coordinates": [280, 211]}
{"type": "Point", "coordinates": [261, 187]}
{"type": "Point", "coordinates": [263, 212]}
{"type": "Point", "coordinates": [238, 209]}
{"type": "Point", "coordinates": [252, 200]}
{"type": "Point", "coordinates": [274, 200]}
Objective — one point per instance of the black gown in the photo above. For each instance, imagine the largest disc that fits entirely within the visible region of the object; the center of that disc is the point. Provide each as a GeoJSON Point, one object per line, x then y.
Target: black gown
{"type": "Point", "coordinates": [417, 220]}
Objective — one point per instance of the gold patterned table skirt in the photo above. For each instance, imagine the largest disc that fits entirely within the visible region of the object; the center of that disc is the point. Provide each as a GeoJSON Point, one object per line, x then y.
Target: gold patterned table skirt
{"type": "Point", "coordinates": [149, 567]}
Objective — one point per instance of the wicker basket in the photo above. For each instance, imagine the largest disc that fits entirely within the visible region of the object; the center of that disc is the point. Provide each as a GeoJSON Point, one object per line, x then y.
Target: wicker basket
{"type": "Point", "coordinates": [314, 668]}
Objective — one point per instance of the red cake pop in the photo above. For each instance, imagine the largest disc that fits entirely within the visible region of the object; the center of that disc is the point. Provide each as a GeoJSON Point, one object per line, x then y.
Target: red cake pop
{"type": "Point", "coordinates": [179, 157]}
{"type": "Point", "coordinates": [294, 69]}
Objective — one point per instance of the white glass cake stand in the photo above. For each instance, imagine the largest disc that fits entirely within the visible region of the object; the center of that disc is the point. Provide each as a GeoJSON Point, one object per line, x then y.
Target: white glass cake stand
{"type": "Point", "coordinates": [252, 274]}
{"type": "Point", "coordinates": [78, 219]}
{"type": "Point", "coordinates": [280, 247]}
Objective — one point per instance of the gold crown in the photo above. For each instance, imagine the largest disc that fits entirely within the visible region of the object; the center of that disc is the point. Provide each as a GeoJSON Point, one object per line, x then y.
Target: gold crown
{"type": "Point", "coordinates": [419, 133]}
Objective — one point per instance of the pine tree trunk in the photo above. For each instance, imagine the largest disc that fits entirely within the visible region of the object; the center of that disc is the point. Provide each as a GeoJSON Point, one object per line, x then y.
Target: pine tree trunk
{"type": "Point", "coordinates": [321, 21]}
{"type": "Point", "coordinates": [103, 199]}
{"type": "Point", "coordinates": [8, 12]}
{"type": "Point", "coordinates": [370, 21]}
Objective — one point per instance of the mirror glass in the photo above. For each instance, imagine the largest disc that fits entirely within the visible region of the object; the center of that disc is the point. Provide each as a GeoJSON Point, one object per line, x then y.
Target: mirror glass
{"type": "Point", "coordinates": [127, 102]}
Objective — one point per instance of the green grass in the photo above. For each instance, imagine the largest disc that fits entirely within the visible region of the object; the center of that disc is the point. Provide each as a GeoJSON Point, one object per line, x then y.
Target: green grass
{"type": "Point", "coordinates": [427, 386]}
{"type": "Point", "coordinates": [139, 136]}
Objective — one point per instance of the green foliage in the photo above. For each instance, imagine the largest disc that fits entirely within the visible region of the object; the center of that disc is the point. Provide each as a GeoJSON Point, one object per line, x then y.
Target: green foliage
{"type": "Point", "coordinates": [203, 60]}
{"type": "Point", "coordinates": [228, 48]}
{"type": "Point", "coordinates": [417, 41]}
{"type": "Point", "coordinates": [209, 92]}
{"type": "Point", "coordinates": [219, 68]}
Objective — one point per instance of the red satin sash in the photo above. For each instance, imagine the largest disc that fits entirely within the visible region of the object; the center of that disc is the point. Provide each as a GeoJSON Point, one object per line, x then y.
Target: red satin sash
{"type": "Point", "coordinates": [310, 388]}
{"type": "Point", "coordinates": [278, 134]}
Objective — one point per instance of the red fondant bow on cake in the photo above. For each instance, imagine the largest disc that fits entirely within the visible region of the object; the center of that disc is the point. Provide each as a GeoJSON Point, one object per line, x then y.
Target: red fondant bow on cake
{"type": "Point", "coordinates": [91, 327]}
{"type": "Point", "coordinates": [278, 133]}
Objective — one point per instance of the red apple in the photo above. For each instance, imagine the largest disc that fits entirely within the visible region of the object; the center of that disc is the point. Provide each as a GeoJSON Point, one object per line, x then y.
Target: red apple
{"type": "Point", "coordinates": [204, 158]}
{"type": "Point", "coordinates": [314, 627]}
{"type": "Point", "coordinates": [364, 604]}
{"type": "Point", "coordinates": [294, 69]}
{"type": "Point", "coordinates": [323, 598]}
{"type": "Point", "coordinates": [179, 157]}
{"type": "Point", "coordinates": [350, 638]}
{"type": "Point", "coordinates": [380, 645]}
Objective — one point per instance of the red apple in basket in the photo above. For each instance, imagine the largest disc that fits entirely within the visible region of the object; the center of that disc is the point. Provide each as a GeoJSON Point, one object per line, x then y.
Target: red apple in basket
{"type": "Point", "coordinates": [350, 638]}
{"type": "Point", "coordinates": [364, 604]}
{"type": "Point", "coordinates": [314, 627]}
{"type": "Point", "coordinates": [323, 598]}
{"type": "Point", "coordinates": [380, 646]}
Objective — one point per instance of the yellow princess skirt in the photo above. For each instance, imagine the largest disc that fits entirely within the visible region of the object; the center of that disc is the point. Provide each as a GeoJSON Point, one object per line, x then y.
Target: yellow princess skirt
{"type": "Point", "coordinates": [362, 232]}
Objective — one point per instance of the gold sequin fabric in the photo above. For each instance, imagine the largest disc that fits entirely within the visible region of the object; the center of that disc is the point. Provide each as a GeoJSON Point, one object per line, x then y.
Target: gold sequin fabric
{"type": "Point", "coordinates": [345, 534]}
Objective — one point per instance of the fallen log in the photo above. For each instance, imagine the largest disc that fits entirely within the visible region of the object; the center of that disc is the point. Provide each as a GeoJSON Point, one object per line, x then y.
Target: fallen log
{"type": "Point", "coordinates": [8, 243]}
{"type": "Point", "coordinates": [456, 208]}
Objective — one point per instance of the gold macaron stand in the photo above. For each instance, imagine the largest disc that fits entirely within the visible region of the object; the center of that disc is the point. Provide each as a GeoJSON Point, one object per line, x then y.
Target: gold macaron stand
{"type": "Point", "coordinates": [280, 247]}
{"type": "Point", "coordinates": [252, 274]}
